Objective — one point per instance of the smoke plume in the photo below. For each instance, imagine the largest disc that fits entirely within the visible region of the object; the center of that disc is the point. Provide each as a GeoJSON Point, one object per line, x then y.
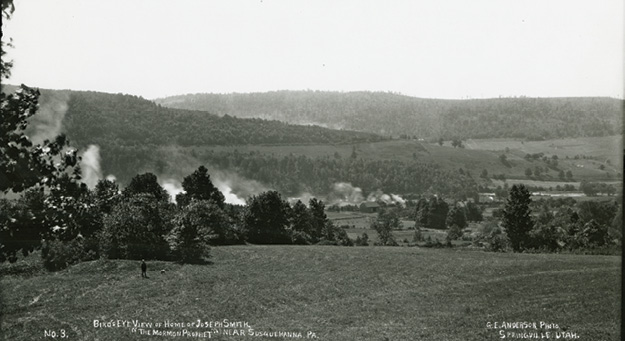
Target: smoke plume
{"type": "Point", "coordinates": [90, 166]}
{"type": "Point", "coordinates": [47, 123]}
{"type": "Point", "coordinates": [173, 188]}
{"type": "Point", "coordinates": [343, 194]}
{"type": "Point", "coordinates": [235, 188]}
{"type": "Point", "coordinates": [386, 198]}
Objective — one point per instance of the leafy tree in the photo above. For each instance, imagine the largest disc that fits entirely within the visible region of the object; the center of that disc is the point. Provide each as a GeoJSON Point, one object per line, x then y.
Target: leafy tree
{"type": "Point", "coordinates": [319, 221]}
{"type": "Point", "coordinates": [301, 223]}
{"type": "Point", "coordinates": [136, 228]}
{"type": "Point", "coordinates": [146, 183]}
{"type": "Point", "coordinates": [437, 211]}
{"type": "Point", "coordinates": [386, 221]}
{"type": "Point", "coordinates": [595, 234]}
{"type": "Point", "coordinates": [602, 213]}
{"type": "Point", "coordinates": [528, 172]}
{"type": "Point", "coordinates": [21, 228]}
{"type": "Point", "coordinates": [421, 213]}
{"type": "Point", "coordinates": [266, 219]}
{"type": "Point", "coordinates": [200, 187]}
{"type": "Point", "coordinates": [484, 174]}
{"type": "Point", "coordinates": [473, 212]}
{"type": "Point", "coordinates": [454, 232]}
{"type": "Point", "coordinates": [24, 165]}
{"type": "Point", "coordinates": [194, 226]}
{"type": "Point", "coordinates": [456, 216]}
{"type": "Point", "coordinates": [516, 219]}
{"type": "Point", "coordinates": [504, 160]}
{"type": "Point", "coordinates": [107, 195]}
{"type": "Point", "coordinates": [362, 240]}
{"type": "Point", "coordinates": [431, 213]}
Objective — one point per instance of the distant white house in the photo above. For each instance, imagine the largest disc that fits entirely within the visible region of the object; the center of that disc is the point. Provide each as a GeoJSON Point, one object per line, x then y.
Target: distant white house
{"type": "Point", "coordinates": [487, 197]}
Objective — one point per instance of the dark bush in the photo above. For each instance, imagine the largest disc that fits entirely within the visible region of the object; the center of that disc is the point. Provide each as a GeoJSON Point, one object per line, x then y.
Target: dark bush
{"type": "Point", "coordinates": [58, 255]}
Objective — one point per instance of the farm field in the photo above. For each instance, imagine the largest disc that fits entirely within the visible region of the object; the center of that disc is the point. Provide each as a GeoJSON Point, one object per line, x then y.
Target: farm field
{"type": "Point", "coordinates": [606, 147]}
{"type": "Point", "coordinates": [336, 293]}
{"type": "Point", "coordinates": [477, 156]}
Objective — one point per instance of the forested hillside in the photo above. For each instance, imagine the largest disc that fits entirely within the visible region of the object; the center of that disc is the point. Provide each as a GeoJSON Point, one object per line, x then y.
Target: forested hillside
{"type": "Point", "coordinates": [393, 114]}
{"type": "Point", "coordinates": [293, 175]}
{"type": "Point", "coordinates": [135, 135]}
{"type": "Point", "coordinates": [117, 119]}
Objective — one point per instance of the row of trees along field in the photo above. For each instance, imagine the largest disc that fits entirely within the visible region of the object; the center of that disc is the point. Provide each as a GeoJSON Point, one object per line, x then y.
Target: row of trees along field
{"type": "Point", "coordinates": [520, 225]}
{"type": "Point", "coordinates": [552, 225]}
{"type": "Point", "coordinates": [395, 114]}
{"type": "Point", "coordinates": [70, 222]}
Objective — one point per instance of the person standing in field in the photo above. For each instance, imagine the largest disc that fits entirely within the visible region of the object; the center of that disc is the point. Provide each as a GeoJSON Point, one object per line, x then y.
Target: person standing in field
{"type": "Point", "coordinates": [144, 269]}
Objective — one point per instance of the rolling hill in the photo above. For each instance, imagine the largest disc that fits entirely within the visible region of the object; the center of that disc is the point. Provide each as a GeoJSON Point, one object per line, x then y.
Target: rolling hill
{"type": "Point", "coordinates": [394, 114]}
{"type": "Point", "coordinates": [338, 293]}
{"type": "Point", "coordinates": [135, 135]}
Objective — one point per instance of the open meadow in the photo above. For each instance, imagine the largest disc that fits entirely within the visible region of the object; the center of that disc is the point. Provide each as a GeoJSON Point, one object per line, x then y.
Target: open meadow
{"type": "Point", "coordinates": [322, 292]}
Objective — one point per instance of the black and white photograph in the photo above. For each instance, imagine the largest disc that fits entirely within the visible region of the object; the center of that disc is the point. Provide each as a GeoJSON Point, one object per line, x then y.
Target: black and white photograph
{"type": "Point", "coordinates": [320, 170]}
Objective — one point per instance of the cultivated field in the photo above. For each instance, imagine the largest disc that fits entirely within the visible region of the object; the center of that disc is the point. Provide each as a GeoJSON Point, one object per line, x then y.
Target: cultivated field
{"type": "Point", "coordinates": [331, 293]}
{"type": "Point", "coordinates": [477, 156]}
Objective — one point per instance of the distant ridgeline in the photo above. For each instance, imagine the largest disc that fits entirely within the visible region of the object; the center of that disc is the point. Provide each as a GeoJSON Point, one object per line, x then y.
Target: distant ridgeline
{"type": "Point", "coordinates": [393, 114]}
{"type": "Point", "coordinates": [104, 119]}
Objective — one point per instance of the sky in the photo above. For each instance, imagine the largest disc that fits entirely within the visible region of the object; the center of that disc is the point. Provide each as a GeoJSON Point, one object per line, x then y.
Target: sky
{"type": "Point", "coordinates": [431, 49]}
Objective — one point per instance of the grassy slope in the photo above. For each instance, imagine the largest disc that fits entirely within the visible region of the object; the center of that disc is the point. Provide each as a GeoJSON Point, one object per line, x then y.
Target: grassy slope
{"type": "Point", "coordinates": [366, 293]}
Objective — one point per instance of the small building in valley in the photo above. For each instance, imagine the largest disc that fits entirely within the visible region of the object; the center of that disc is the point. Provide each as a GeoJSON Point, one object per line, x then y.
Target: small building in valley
{"type": "Point", "coordinates": [369, 207]}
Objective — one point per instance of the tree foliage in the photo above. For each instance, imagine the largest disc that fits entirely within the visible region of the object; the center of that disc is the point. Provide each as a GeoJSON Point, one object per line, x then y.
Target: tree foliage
{"type": "Point", "coordinates": [431, 119]}
{"type": "Point", "coordinates": [384, 224]}
{"type": "Point", "coordinates": [517, 219]}
{"type": "Point", "coordinates": [194, 227]}
{"type": "Point", "coordinates": [146, 183]}
{"type": "Point", "coordinates": [267, 219]}
{"type": "Point", "coordinates": [199, 186]}
{"type": "Point", "coordinates": [136, 228]}
{"type": "Point", "coordinates": [457, 216]}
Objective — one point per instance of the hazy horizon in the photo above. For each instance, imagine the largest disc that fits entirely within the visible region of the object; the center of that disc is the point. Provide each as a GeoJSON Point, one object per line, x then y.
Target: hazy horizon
{"type": "Point", "coordinates": [312, 90]}
{"type": "Point", "coordinates": [425, 49]}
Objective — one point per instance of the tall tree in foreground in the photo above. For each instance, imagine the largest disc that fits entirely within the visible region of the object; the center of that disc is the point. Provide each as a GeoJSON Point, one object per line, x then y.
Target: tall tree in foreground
{"type": "Point", "coordinates": [24, 165]}
{"type": "Point", "coordinates": [517, 218]}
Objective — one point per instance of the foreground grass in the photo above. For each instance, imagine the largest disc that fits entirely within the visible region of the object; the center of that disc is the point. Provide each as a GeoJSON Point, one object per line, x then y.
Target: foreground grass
{"type": "Point", "coordinates": [339, 293]}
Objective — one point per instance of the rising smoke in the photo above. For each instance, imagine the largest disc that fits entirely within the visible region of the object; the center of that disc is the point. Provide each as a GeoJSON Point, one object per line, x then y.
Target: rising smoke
{"type": "Point", "coordinates": [235, 188]}
{"type": "Point", "coordinates": [173, 188]}
{"type": "Point", "coordinates": [47, 123]}
{"type": "Point", "coordinates": [343, 194]}
{"type": "Point", "coordinates": [90, 167]}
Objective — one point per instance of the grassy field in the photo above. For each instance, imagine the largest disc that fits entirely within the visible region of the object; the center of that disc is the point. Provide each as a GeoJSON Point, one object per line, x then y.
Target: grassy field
{"type": "Point", "coordinates": [335, 293]}
{"type": "Point", "coordinates": [606, 147]}
{"type": "Point", "coordinates": [477, 156]}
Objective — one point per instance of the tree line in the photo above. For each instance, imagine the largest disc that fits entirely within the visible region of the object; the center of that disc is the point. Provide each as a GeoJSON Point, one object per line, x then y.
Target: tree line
{"type": "Point", "coordinates": [70, 222]}
{"type": "Point", "coordinates": [556, 224]}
